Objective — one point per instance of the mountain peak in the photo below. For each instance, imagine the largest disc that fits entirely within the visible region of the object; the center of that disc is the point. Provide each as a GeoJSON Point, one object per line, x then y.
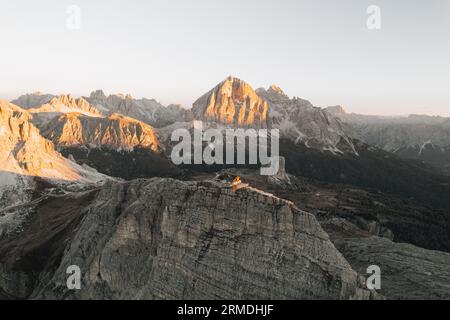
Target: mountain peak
{"type": "Point", "coordinates": [336, 110]}
{"type": "Point", "coordinates": [274, 93]}
{"type": "Point", "coordinates": [276, 89]}
{"type": "Point", "coordinates": [97, 94]}
{"type": "Point", "coordinates": [233, 79]}
{"type": "Point", "coordinates": [232, 102]}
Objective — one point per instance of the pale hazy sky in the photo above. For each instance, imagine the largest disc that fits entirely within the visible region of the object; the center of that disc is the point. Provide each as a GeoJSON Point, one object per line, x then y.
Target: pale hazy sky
{"type": "Point", "coordinates": [174, 51]}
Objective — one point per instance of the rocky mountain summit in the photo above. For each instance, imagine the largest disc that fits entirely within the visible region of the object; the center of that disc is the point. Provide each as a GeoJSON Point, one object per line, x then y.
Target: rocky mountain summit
{"type": "Point", "coordinates": [232, 102]}
{"type": "Point", "coordinates": [168, 239]}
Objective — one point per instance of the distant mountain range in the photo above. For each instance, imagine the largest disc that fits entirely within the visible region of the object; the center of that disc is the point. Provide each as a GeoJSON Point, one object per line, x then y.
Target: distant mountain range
{"type": "Point", "coordinates": [421, 137]}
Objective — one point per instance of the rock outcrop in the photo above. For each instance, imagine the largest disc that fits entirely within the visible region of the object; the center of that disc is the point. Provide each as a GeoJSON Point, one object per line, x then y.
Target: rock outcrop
{"type": "Point", "coordinates": [168, 239]}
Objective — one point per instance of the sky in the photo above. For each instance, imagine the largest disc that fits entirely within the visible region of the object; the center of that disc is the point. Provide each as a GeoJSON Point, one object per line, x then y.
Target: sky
{"type": "Point", "coordinates": [176, 50]}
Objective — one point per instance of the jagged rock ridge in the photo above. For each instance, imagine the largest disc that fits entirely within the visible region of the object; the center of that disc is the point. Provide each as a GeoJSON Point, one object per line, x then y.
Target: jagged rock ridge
{"type": "Point", "coordinates": [301, 122]}
{"type": "Point", "coordinates": [32, 100]}
{"type": "Point", "coordinates": [65, 104]}
{"type": "Point", "coordinates": [114, 132]}
{"type": "Point", "coordinates": [146, 110]}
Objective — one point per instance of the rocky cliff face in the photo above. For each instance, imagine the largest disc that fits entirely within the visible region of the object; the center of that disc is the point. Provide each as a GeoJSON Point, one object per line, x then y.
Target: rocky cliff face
{"type": "Point", "coordinates": [167, 239]}
{"type": "Point", "coordinates": [115, 132]}
{"type": "Point", "coordinates": [233, 102]}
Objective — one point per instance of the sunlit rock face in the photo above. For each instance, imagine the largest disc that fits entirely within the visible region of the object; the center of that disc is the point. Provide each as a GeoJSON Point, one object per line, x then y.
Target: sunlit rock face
{"type": "Point", "coordinates": [232, 102]}
{"type": "Point", "coordinates": [25, 155]}
{"type": "Point", "coordinates": [24, 151]}
{"type": "Point", "coordinates": [115, 132]}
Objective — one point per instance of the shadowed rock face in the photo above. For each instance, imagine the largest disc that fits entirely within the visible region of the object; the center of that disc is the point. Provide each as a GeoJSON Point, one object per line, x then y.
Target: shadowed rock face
{"type": "Point", "coordinates": [163, 238]}
{"type": "Point", "coordinates": [32, 100]}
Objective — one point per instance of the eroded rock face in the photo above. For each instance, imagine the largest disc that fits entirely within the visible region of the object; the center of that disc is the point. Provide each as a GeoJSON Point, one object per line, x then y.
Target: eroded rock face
{"type": "Point", "coordinates": [232, 102]}
{"type": "Point", "coordinates": [116, 132]}
{"type": "Point", "coordinates": [168, 239]}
